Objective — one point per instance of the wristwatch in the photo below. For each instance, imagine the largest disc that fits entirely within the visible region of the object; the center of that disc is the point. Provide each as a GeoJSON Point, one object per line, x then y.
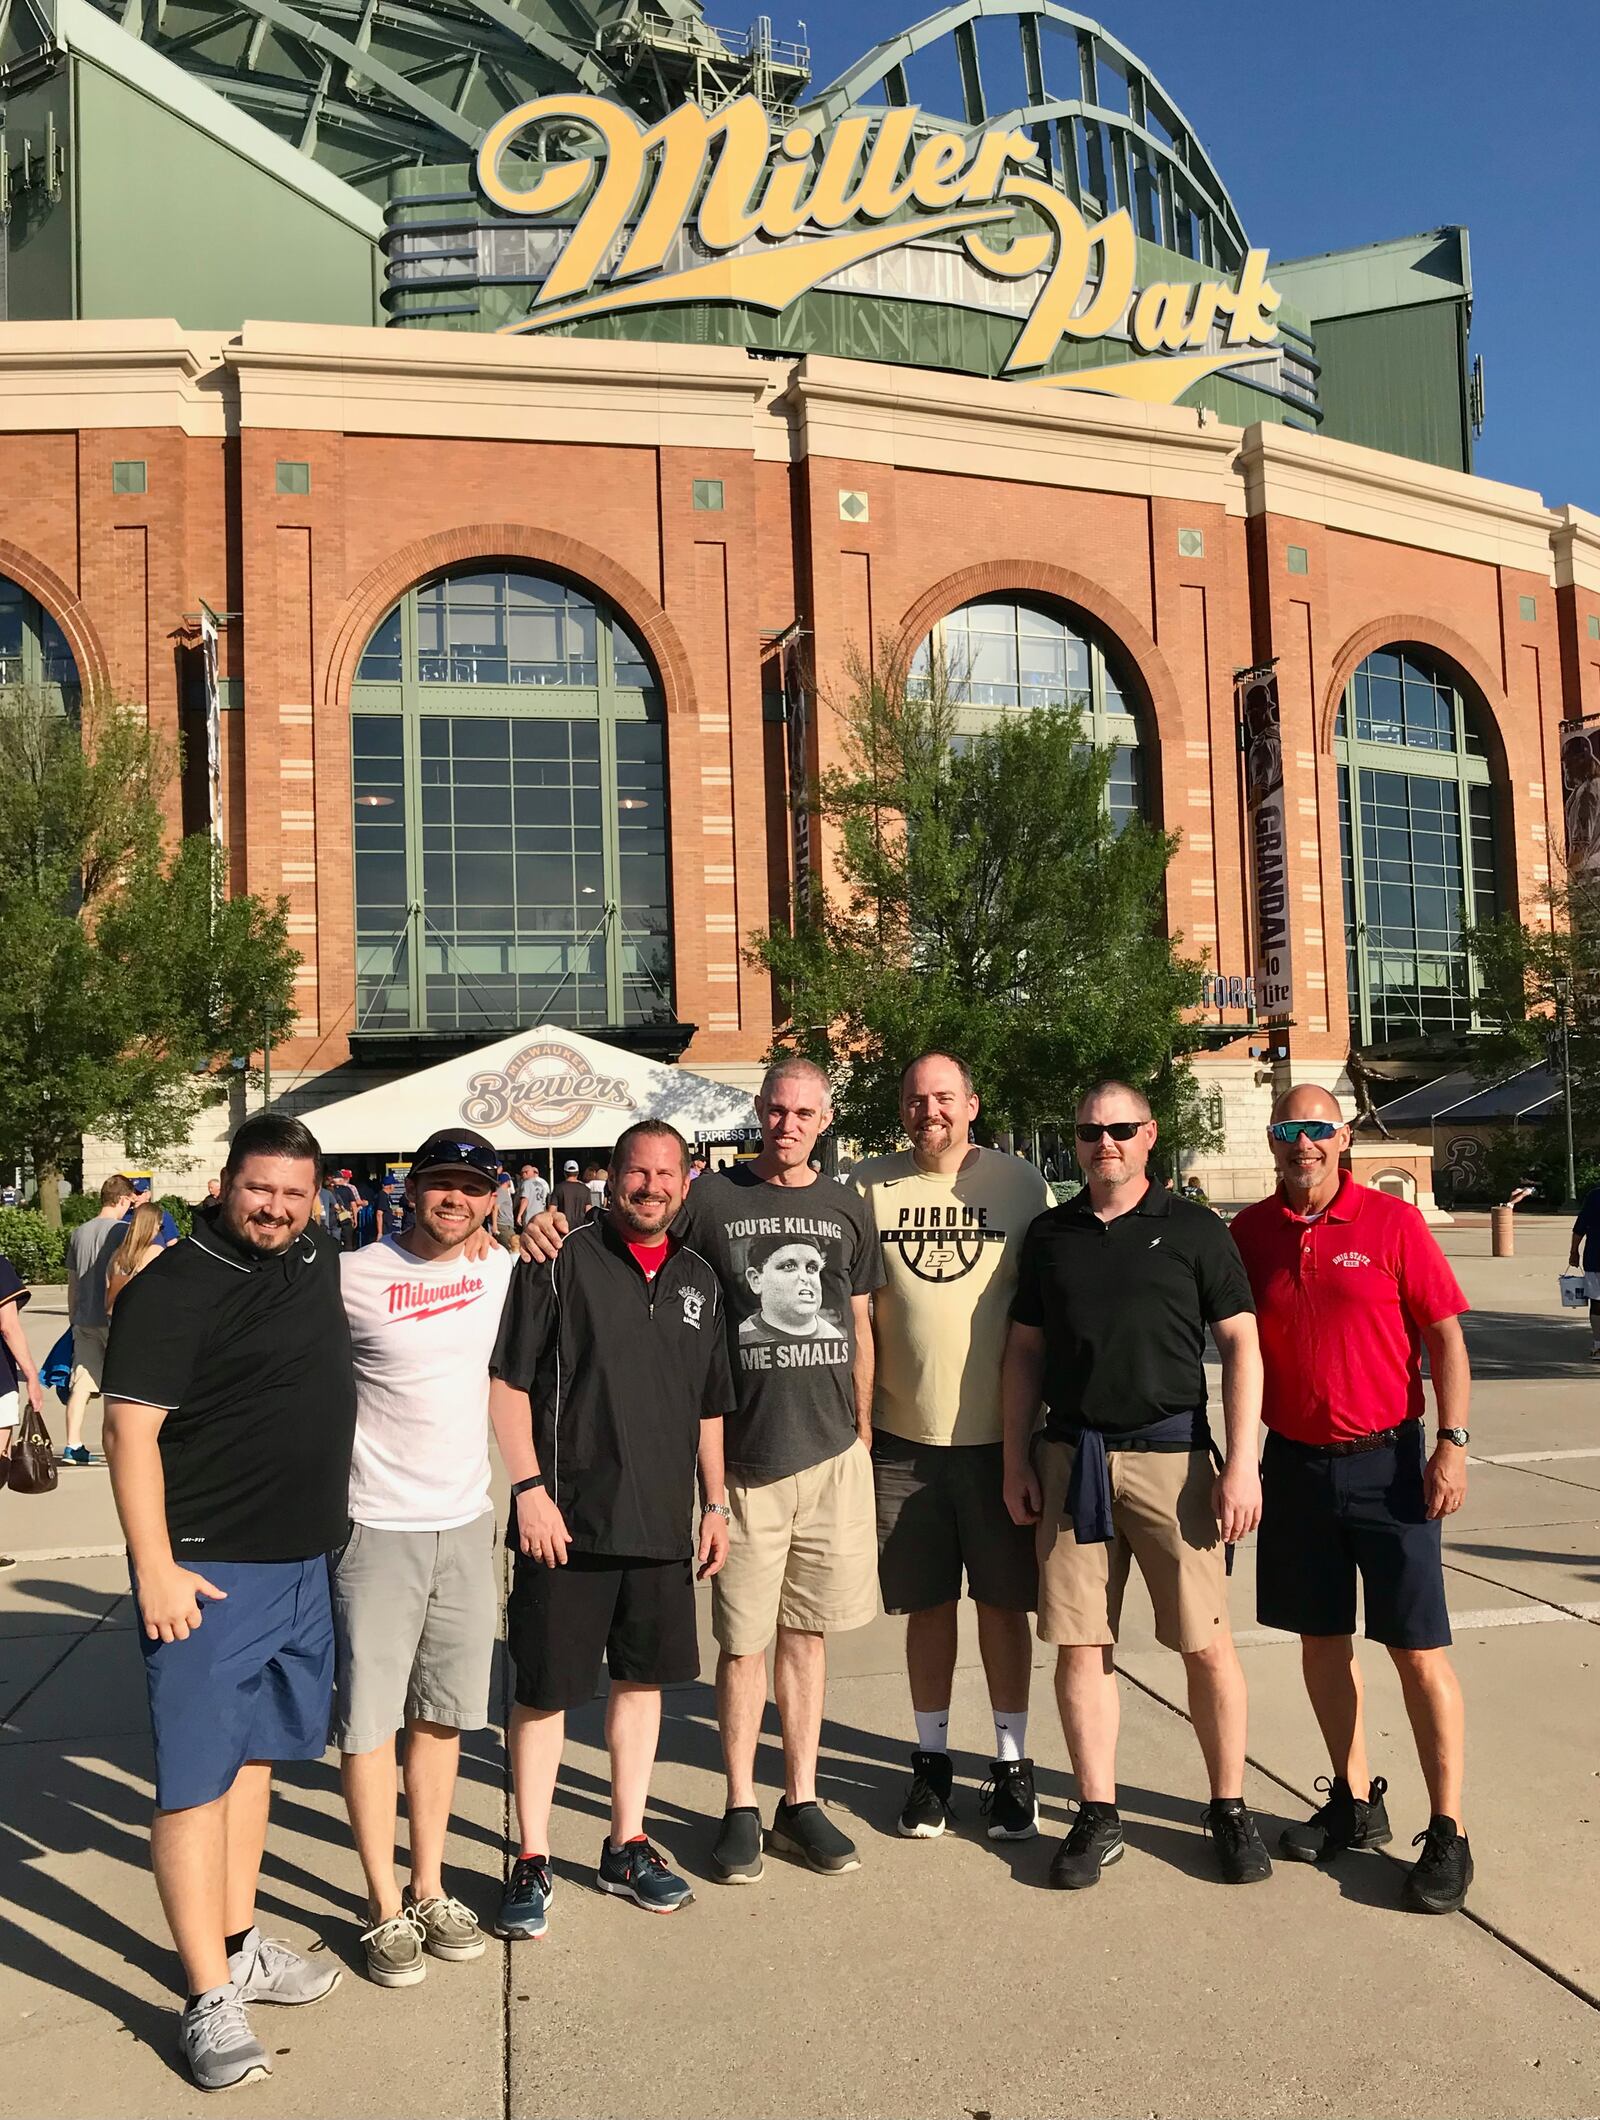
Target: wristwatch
{"type": "Point", "coordinates": [522, 1486]}
{"type": "Point", "coordinates": [1459, 1436]}
{"type": "Point", "coordinates": [717, 1509]}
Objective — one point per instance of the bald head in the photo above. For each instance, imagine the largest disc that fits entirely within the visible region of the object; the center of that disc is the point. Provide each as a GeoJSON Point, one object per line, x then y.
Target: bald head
{"type": "Point", "coordinates": [1308, 1100]}
{"type": "Point", "coordinates": [1308, 1163]}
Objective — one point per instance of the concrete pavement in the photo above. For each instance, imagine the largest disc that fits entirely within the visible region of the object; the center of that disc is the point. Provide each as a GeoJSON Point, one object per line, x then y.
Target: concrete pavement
{"type": "Point", "coordinates": [940, 1978]}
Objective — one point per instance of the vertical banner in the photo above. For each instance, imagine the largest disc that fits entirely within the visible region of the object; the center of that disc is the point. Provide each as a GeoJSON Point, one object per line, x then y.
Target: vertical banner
{"type": "Point", "coordinates": [1256, 702]}
{"type": "Point", "coordinates": [213, 684]}
{"type": "Point", "coordinates": [1580, 799]}
{"type": "Point", "coordinates": [797, 703]}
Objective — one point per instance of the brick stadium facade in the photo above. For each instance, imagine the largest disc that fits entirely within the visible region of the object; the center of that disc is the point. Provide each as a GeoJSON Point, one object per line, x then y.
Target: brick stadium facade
{"type": "Point", "coordinates": [859, 504]}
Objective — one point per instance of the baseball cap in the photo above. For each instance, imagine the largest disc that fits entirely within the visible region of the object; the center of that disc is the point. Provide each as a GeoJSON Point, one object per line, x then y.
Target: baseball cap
{"type": "Point", "coordinates": [459, 1149]}
{"type": "Point", "coordinates": [569, 1169]}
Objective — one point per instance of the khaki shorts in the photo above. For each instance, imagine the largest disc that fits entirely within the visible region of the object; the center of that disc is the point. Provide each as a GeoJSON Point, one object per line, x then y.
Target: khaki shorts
{"type": "Point", "coordinates": [88, 1354]}
{"type": "Point", "coordinates": [803, 1553]}
{"type": "Point", "coordinates": [1161, 1512]}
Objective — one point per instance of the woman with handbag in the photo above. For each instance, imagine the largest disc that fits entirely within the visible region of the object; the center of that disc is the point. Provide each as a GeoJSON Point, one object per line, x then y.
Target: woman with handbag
{"type": "Point", "coordinates": [134, 1253]}
{"type": "Point", "coordinates": [17, 1374]}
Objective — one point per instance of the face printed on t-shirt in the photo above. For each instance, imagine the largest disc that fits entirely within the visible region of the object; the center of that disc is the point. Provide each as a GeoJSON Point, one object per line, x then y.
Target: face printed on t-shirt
{"type": "Point", "coordinates": [783, 1267]}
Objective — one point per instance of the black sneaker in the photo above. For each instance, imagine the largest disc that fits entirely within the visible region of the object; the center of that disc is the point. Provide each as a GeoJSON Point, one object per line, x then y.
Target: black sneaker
{"type": "Point", "coordinates": [1438, 1880]}
{"type": "Point", "coordinates": [1241, 1856]}
{"type": "Point", "coordinates": [805, 1831]}
{"type": "Point", "coordinates": [736, 1858]}
{"type": "Point", "coordinates": [1095, 1840]}
{"type": "Point", "coordinates": [1344, 1821]}
{"type": "Point", "coordinates": [637, 1871]}
{"type": "Point", "coordinates": [926, 1810]}
{"type": "Point", "coordinates": [1007, 1799]}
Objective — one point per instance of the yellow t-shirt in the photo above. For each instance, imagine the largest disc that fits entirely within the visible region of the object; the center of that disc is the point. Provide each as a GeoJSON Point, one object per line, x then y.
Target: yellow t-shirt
{"type": "Point", "coordinates": [950, 1248]}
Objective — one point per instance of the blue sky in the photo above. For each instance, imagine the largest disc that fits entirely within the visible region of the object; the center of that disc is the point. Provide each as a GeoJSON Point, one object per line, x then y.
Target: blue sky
{"type": "Point", "coordinates": [1334, 127]}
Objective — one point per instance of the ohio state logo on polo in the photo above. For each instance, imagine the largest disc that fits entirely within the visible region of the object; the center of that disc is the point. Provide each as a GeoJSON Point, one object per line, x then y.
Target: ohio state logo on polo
{"type": "Point", "coordinates": [545, 1091]}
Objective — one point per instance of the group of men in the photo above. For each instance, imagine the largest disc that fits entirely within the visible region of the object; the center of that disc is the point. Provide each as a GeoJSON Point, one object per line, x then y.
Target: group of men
{"type": "Point", "coordinates": [852, 1379]}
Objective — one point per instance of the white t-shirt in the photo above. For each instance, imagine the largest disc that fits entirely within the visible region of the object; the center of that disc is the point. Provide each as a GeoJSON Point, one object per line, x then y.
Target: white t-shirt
{"type": "Point", "coordinates": [535, 1193]}
{"type": "Point", "coordinates": [422, 1335]}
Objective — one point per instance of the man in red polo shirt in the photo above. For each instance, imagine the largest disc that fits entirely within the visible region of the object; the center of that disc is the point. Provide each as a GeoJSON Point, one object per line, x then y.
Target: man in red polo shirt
{"type": "Point", "coordinates": [1350, 1287]}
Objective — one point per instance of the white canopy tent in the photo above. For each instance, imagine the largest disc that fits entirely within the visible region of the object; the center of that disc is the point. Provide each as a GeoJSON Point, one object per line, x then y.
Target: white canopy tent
{"type": "Point", "coordinates": [541, 1090]}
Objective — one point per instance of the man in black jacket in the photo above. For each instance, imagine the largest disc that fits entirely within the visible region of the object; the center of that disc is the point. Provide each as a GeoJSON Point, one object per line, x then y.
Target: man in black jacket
{"type": "Point", "coordinates": [611, 1383]}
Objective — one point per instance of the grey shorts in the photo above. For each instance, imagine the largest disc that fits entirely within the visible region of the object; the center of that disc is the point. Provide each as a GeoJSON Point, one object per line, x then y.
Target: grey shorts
{"type": "Point", "coordinates": [941, 1517]}
{"type": "Point", "coordinates": [415, 1616]}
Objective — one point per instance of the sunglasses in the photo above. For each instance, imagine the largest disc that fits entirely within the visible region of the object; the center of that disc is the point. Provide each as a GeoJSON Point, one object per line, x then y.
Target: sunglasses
{"type": "Point", "coordinates": [1291, 1130]}
{"type": "Point", "coordinates": [1118, 1129]}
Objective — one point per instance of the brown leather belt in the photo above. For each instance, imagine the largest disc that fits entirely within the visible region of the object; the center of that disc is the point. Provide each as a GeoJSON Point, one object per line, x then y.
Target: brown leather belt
{"type": "Point", "coordinates": [1357, 1446]}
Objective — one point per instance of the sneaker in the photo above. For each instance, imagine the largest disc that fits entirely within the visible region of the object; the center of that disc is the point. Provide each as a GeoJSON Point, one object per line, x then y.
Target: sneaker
{"type": "Point", "coordinates": [1344, 1821]}
{"type": "Point", "coordinates": [528, 1893]}
{"type": "Point", "coordinates": [1241, 1855]}
{"type": "Point", "coordinates": [215, 2040]}
{"type": "Point", "coordinates": [1438, 1880]}
{"type": "Point", "coordinates": [1008, 1800]}
{"type": "Point", "coordinates": [736, 1858]}
{"type": "Point", "coordinates": [805, 1831]}
{"type": "Point", "coordinates": [449, 1930]}
{"type": "Point", "coordinates": [394, 1950]}
{"type": "Point", "coordinates": [926, 1810]}
{"type": "Point", "coordinates": [638, 1872]}
{"type": "Point", "coordinates": [76, 1454]}
{"type": "Point", "coordinates": [1095, 1841]}
{"type": "Point", "coordinates": [264, 1969]}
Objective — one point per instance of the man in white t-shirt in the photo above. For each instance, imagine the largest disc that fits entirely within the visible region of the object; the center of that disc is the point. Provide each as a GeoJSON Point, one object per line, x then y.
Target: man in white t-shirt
{"type": "Point", "coordinates": [532, 1194]}
{"type": "Point", "coordinates": [415, 1602]}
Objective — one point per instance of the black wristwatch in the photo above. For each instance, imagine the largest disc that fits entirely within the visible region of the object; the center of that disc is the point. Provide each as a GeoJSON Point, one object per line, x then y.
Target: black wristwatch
{"type": "Point", "coordinates": [522, 1486]}
{"type": "Point", "coordinates": [1459, 1436]}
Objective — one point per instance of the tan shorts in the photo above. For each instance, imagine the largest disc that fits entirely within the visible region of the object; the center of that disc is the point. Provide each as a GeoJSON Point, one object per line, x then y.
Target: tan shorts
{"type": "Point", "coordinates": [1161, 1512]}
{"type": "Point", "coordinates": [88, 1354]}
{"type": "Point", "coordinates": [803, 1553]}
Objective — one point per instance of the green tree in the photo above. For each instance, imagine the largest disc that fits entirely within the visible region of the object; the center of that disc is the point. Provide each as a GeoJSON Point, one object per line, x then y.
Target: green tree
{"type": "Point", "coordinates": [987, 902]}
{"type": "Point", "coordinates": [128, 980]}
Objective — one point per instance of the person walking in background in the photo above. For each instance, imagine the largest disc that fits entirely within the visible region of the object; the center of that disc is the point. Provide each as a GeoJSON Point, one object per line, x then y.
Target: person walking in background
{"type": "Point", "coordinates": [415, 1597]}
{"type": "Point", "coordinates": [140, 1247]}
{"type": "Point", "coordinates": [571, 1199]}
{"type": "Point", "coordinates": [951, 1217]}
{"type": "Point", "coordinates": [611, 1385]}
{"type": "Point", "coordinates": [19, 1377]}
{"type": "Point", "coordinates": [346, 1210]}
{"type": "Point", "coordinates": [1115, 1290]}
{"type": "Point", "coordinates": [595, 1178]}
{"type": "Point", "coordinates": [230, 1410]}
{"type": "Point", "coordinates": [1350, 1287]}
{"type": "Point", "coordinates": [532, 1195]}
{"type": "Point", "coordinates": [89, 1251]}
{"type": "Point", "coordinates": [141, 1195]}
{"type": "Point", "coordinates": [1585, 1256]}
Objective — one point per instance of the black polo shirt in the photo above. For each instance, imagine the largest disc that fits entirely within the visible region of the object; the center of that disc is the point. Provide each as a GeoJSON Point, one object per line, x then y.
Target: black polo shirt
{"type": "Point", "coordinates": [251, 1358]}
{"type": "Point", "coordinates": [621, 1371]}
{"type": "Point", "coordinates": [1124, 1307]}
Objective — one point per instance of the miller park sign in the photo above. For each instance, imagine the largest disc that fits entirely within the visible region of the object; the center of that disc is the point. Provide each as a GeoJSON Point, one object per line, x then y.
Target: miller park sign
{"type": "Point", "coordinates": [775, 217]}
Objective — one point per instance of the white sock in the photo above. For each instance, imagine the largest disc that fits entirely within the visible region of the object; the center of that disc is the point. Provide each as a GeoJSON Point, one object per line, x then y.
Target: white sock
{"type": "Point", "coordinates": [933, 1729]}
{"type": "Point", "coordinates": [1011, 1734]}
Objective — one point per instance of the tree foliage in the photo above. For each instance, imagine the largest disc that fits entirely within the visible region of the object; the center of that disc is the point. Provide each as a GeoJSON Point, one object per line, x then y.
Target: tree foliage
{"type": "Point", "coordinates": [986, 902]}
{"type": "Point", "coordinates": [1531, 973]}
{"type": "Point", "coordinates": [126, 975]}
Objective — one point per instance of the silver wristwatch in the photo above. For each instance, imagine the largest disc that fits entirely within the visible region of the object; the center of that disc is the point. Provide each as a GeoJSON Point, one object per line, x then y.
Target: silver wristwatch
{"type": "Point", "coordinates": [716, 1509]}
{"type": "Point", "coordinates": [1459, 1436]}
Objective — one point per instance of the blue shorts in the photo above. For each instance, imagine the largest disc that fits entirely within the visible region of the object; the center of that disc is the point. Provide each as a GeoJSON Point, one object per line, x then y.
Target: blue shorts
{"type": "Point", "coordinates": [1324, 1520]}
{"type": "Point", "coordinates": [254, 1682]}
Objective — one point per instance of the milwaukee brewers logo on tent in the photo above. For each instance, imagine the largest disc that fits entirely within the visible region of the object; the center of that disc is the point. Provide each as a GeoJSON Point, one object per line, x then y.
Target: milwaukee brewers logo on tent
{"type": "Point", "coordinates": [544, 1091]}
{"type": "Point", "coordinates": [936, 1249]}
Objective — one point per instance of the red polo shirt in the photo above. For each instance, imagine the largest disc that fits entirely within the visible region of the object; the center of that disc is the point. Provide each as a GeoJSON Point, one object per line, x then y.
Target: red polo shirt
{"type": "Point", "coordinates": [1341, 1299]}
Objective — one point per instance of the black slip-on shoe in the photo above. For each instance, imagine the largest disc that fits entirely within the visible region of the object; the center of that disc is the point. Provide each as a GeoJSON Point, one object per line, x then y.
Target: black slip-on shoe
{"type": "Point", "coordinates": [736, 1858]}
{"type": "Point", "coordinates": [806, 1832]}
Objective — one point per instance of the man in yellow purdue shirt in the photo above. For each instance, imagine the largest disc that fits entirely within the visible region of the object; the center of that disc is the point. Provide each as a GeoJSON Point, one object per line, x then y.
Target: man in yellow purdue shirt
{"type": "Point", "coordinates": [951, 1218]}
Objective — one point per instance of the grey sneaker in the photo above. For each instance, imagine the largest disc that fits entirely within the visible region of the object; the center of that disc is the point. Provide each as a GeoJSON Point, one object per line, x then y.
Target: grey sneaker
{"type": "Point", "coordinates": [449, 1930]}
{"type": "Point", "coordinates": [265, 1969]}
{"type": "Point", "coordinates": [394, 1950]}
{"type": "Point", "coordinates": [216, 2041]}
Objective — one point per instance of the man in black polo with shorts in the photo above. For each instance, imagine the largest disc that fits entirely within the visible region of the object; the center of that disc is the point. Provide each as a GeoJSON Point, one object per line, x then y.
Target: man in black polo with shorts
{"type": "Point", "coordinates": [230, 1409]}
{"type": "Point", "coordinates": [611, 1383]}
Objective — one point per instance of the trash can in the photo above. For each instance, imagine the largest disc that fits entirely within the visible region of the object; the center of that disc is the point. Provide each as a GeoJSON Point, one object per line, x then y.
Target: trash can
{"type": "Point", "coordinates": [1502, 1233]}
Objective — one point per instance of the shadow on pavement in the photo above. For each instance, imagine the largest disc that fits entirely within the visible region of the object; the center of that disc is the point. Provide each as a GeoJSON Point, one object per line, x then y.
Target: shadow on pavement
{"type": "Point", "coordinates": [1572, 1562]}
{"type": "Point", "coordinates": [1509, 1345]}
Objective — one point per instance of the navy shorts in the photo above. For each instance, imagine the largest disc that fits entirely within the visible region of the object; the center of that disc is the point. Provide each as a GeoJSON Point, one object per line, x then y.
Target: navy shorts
{"type": "Point", "coordinates": [1325, 1520]}
{"type": "Point", "coordinates": [255, 1681]}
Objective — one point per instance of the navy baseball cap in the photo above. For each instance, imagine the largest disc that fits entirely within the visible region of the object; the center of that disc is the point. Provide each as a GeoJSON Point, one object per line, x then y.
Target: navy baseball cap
{"type": "Point", "coordinates": [457, 1150]}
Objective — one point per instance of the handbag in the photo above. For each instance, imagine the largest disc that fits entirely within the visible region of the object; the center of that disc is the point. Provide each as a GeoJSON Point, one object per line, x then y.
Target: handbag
{"type": "Point", "coordinates": [31, 1467]}
{"type": "Point", "coordinates": [1576, 1293]}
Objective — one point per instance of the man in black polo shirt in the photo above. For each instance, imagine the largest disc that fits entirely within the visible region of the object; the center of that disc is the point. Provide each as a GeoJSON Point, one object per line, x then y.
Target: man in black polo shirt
{"type": "Point", "coordinates": [230, 1411]}
{"type": "Point", "coordinates": [611, 1383]}
{"type": "Point", "coordinates": [1115, 1290]}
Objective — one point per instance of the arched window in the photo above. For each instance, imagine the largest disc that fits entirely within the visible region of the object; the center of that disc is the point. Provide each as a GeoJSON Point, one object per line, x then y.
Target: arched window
{"type": "Point", "coordinates": [510, 813]}
{"type": "Point", "coordinates": [1416, 846]}
{"type": "Point", "coordinates": [33, 650]}
{"type": "Point", "coordinates": [1004, 655]}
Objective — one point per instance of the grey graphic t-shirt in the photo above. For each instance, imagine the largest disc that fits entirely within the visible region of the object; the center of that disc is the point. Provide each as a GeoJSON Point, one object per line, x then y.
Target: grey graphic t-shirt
{"type": "Point", "coordinates": [789, 1259]}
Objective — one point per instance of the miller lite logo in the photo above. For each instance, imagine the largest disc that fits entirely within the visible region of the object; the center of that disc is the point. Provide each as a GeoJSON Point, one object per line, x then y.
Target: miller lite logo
{"type": "Point", "coordinates": [544, 1091]}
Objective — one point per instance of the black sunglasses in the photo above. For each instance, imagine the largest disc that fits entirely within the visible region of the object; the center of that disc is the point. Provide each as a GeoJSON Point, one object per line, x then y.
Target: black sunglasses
{"type": "Point", "coordinates": [1118, 1129]}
